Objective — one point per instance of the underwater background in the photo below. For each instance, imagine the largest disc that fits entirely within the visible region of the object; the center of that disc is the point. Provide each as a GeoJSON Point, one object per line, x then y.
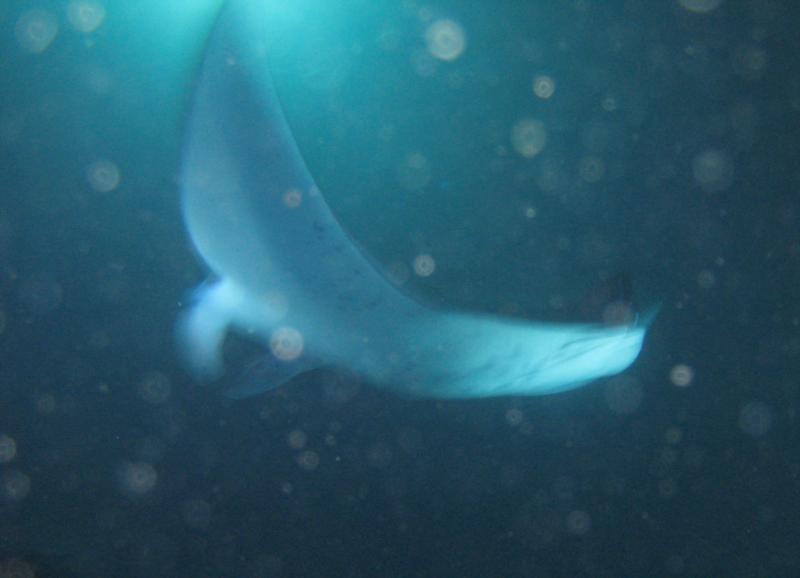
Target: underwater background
{"type": "Point", "coordinates": [508, 157]}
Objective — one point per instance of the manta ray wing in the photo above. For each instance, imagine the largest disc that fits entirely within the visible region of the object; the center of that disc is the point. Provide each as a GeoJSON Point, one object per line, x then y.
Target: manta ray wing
{"type": "Point", "coordinates": [289, 276]}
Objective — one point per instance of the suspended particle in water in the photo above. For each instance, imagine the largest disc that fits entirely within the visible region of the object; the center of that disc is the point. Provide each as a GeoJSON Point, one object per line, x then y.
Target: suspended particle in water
{"type": "Point", "coordinates": [8, 448]}
{"type": "Point", "coordinates": [579, 522]}
{"type": "Point", "coordinates": [103, 176]}
{"type": "Point", "coordinates": [35, 30]}
{"type": "Point", "coordinates": [308, 460]}
{"type": "Point", "coordinates": [297, 439]}
{"type": "Point", "coordinates": [609, 103]}
{"type": "Point", "coordinates": [750, 62]}
{"type": "Point", "coordinates": [528, 137]}
{"type": "Point", "coordinates": [14, 485]}
{"type": "Point", "coordinates": [514, 417]}
{"type": "Point", "coordinates": [415, 172]}
{"type": "Point", "coordinates": [85, 15]}
{"type": "Point", "coordinates": [618, 313]}
{"type": "Point", "coordinates": [155, 388]}
{"type": "Point", "coordinates": [706, 279]}
{"type": "Point", "coordinates": [46, 403]}
{"type": "Point", "coordinates": [624, 395]}
{"type": "Point", "coordinates": [673, 436]}
{"type": "Point", "coordinates": [681, 375]}
{"type": "Point", "coordinates": [445, 39]}
{"type": "Point", "coordinates": [380, 455]}
{"type": "Point", "coordinates": [150, 449]}
{"type": "Point", "coordinates": [398, 273]}
{"type": "Point", "coordinates": [667, 488]}
{"type": "Point", "coordinates": [755, 419]}
{"type": "Point", "coordinates": [700, 6]}
{"type": "Point", "coordinates": [544, 86]}
{"type": "Point", "coordinates": [286, 343]}
{"type": "Point", "coordinates": [16, 568]}
{"type": "Point", "coordinates": [424, 265]}
{"type": "Point", "coordinates": [137, 478]}
{"type": "Point", "coordinates": [592, 169]}
{"type": "Point", "coordinates": [197, 514]}
{"type": "Point", "coordinates": [712, 170]}
{"type": "Point", "coordinates": [292, 198]}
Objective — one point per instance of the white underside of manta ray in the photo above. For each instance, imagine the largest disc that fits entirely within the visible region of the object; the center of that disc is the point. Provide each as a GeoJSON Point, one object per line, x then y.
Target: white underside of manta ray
{"type": "Point", "coordinates": [287, 275]}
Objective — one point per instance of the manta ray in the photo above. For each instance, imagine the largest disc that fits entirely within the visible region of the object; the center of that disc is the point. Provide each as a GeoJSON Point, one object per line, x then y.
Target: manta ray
{"type": "Point", "coordinates": [286, 274]}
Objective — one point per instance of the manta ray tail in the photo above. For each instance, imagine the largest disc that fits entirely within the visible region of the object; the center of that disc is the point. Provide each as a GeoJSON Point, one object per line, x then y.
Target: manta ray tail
{"type": "Point", "coordinates": [222, 305]}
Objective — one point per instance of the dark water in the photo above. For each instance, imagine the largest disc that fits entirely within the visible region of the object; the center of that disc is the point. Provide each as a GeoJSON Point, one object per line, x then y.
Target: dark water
{"type": "Point", "coordinates": [670, 160]}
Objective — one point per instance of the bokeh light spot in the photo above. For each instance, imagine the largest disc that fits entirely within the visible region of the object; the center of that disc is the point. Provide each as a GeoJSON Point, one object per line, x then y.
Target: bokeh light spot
{"type": "Point", "coordinates": [35, 30]}
{"type": "Point", "coordinates": [297, 439]}
{"type": "Point", "coordinates": [681, 375]}
{"type": "Point", "coordinates": [424, 265]}
{"type": "Point", "coordinates": [308, 460]}
{"type": "Point", "coordinates": [286, 343]}
{"type": "Point", "coordinates": [8, 448]}
{"type": "Point", "coordinates": [292, 198]}
{"type": "Point", "coordinates": [15, 485]}
{"type": "Point", "coordinates": [712, 170]}
{"type": "Point", "coordinates": [137, 478]}
{"type": "Point", "coordinates": [445, 39]}
{"type": "Point", "coordinates": [700, 6]}
{"type": "Point", "coordinates": [755, 419]}
{"type": "Point", "coordinates": [544, 86]}
{"type": "Point", "coordinates": [85, 15]}
{"type": "Point", "coordinates": [528, 137]}
{"type": "Point", "coordinates": [578, 522]}
{"type": "Point", "coordinates": [155, 388]}
{"type": "Point", "coordinates": [103, 176]}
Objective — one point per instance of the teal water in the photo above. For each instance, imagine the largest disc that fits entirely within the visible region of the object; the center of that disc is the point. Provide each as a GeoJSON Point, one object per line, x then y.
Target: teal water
{"type": "Point", "coordinates": [505, 158]}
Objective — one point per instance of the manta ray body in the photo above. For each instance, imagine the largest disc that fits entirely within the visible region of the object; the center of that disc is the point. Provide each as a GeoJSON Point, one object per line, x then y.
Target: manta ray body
{"type": "Point", "coordinates": [285, 273]}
